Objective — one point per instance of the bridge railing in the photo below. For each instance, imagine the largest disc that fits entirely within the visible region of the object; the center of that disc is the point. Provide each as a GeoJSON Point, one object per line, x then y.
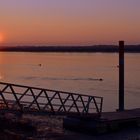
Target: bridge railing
{"type": "Point", "coordinates": [25, 98]}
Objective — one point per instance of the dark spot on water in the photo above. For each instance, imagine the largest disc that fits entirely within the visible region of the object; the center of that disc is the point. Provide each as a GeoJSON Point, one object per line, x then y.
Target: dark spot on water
{"type": "Point", "coordinates": [100, 79]}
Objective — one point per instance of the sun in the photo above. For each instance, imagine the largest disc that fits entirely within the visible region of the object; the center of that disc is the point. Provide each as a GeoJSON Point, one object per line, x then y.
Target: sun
{"type": "Point", "coordinates": [1, 38]}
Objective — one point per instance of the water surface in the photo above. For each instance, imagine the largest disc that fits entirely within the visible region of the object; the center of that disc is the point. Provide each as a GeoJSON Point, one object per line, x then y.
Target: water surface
{"type": "Point", "coordinates": [75, 72]}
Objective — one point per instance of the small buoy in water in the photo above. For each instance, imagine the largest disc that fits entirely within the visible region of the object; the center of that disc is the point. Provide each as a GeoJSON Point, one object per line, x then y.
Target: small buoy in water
{"type": "Point", "coordinates": [100, 79]}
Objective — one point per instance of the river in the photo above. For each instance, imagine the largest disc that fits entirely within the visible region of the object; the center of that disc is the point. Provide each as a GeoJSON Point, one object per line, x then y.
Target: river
{"type": "Point", "coordinates": [84, 73]}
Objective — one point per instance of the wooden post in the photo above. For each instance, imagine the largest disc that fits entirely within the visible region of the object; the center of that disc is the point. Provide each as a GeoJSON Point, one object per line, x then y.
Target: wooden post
{"type": "Point", "coordinates": [121, 75]}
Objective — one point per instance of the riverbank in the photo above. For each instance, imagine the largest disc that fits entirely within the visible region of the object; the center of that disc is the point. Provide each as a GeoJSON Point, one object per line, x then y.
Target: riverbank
{"type": "Point", "coordinates": [36, 127]}
{"type": "Point", "coordinates": [16, 126]}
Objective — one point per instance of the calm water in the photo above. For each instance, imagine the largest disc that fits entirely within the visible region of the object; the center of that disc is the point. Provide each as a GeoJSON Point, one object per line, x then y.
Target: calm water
{"type": "Point", "coordinates": [75, 72]}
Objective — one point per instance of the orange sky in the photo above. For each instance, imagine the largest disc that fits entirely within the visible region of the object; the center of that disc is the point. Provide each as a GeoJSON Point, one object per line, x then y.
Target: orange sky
{"type": "Point", "coordinates": [75, 22]}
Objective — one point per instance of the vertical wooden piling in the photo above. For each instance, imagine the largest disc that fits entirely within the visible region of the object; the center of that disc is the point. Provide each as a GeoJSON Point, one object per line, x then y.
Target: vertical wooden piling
{"type": "Point", "coordinates": [121, 75]}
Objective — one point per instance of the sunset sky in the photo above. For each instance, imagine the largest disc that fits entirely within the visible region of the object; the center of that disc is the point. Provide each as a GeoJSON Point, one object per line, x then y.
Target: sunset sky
{"type": "Point", "coordinates": [69, 22]}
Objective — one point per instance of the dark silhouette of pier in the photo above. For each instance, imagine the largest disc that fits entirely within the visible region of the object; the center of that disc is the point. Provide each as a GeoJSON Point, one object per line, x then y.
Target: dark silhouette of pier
{"type": "Point", "coordinates": [31, 99]}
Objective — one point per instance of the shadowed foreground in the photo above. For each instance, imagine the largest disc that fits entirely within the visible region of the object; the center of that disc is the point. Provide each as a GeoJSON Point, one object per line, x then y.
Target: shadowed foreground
{"type": "Point", "coordinates": [16, 126]}
{"type": "Point", "coordinates": [32, 127]}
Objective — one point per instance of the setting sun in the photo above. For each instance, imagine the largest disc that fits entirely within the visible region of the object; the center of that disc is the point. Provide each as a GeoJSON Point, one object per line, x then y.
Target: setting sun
{"type": "Point", "coordinates": [1, 38]}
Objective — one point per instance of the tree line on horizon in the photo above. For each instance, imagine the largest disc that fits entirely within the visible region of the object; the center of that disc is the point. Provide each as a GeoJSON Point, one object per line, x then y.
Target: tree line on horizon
{"type": "Point", "coordinates": [94, 48]}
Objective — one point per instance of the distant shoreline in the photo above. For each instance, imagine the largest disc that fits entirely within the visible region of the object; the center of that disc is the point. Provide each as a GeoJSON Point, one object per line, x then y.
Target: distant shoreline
{"type": "Point", "coordinates": [71, 49]}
